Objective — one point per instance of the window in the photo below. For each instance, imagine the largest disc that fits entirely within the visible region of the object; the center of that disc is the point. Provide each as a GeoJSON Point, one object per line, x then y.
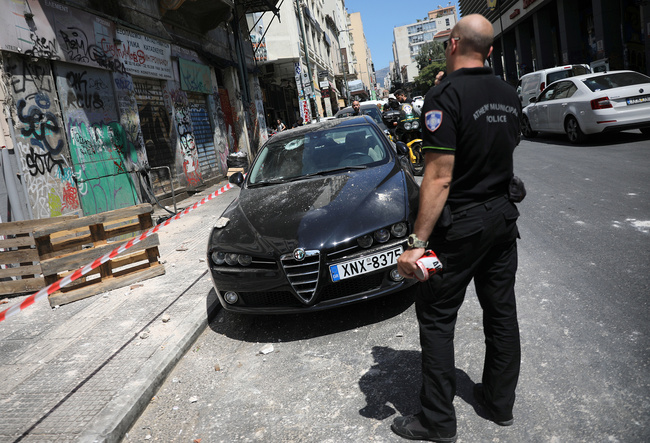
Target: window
{"type": "Point", "coordinates": [607, 81]}
{"type": "Point", "coordinates": [564, 90]}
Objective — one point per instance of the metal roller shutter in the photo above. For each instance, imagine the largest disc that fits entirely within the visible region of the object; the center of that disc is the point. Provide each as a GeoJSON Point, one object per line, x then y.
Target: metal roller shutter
{"type": "Point", "coordinates": [203, 134]}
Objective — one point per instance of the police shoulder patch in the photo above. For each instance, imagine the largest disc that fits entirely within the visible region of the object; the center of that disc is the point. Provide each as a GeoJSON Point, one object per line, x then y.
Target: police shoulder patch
{"type": "Point", "coordinates": [433, 120]}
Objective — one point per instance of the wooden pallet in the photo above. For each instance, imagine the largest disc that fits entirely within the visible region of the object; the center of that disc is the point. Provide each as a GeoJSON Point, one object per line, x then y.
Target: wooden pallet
{"type": "Point", "coordinates": [19, 253]}
{"type": "Point", "coordinates": [67, 246]}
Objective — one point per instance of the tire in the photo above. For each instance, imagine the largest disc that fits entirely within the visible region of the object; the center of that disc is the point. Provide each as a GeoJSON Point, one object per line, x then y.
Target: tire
{"type": "Point", "coordinates": [573, 131]}
{"type": "Point", "coordinates": [526, 129]}
{"type": "Point", "coordinates": [418, 166]}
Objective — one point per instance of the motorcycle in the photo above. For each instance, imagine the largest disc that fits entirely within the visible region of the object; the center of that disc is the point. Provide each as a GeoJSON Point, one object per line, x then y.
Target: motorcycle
{"type": "Point", "coordinates": [404, 124]}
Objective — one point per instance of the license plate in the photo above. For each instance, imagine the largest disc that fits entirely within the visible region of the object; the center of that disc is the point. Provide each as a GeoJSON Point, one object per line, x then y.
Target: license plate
{"type": "Point", "coordinates": [637, 100]}
{"type": "Point", "coordinates": [364, 265]}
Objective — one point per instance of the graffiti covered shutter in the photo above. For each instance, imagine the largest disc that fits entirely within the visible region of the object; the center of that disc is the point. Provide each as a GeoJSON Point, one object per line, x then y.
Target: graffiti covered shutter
{"type": "Point", "coordinates": [203, 134]}
{"type": "Point", "coordinates": [100, 151]}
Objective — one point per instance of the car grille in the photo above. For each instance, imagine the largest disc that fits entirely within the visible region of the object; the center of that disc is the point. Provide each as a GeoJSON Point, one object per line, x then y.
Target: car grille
{"type": "Point", "coordinates": [352, 286]}
{"type": "Point", "coordinates": [303, 275]}
{"type": "Point", "coordinates": [278, 299]}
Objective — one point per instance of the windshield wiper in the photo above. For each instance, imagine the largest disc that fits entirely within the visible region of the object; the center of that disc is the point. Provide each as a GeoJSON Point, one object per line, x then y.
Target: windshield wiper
{"type": "Point", "coordinates": [337, 169]}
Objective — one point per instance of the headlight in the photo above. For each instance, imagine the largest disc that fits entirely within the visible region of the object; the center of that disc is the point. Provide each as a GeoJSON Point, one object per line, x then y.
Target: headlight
{"type": "Point", "coordinates": [231, 258]}
{"type": "Point", "coordinates": [245, 260]}
{"type": "Point", "coordinates": [218, 258]}
{"type": "Point", "coordinates": [399, 230]}
{"type": "Point", "coordinates": [415, 125]}
{"type": "Point", "coordinates": [365, 241]}
{"type": "Point", "coordinates": [382, 235]}
{"type": "Point", "coordinates": [407, 126]}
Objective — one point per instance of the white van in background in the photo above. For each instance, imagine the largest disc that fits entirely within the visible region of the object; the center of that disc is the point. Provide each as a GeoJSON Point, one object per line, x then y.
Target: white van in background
{"type": "Point", "coordinates": [531, 84]}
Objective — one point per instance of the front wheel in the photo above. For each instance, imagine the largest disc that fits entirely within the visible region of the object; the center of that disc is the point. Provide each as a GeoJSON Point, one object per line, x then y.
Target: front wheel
{"type": "Point", "coordinates": [573, 130]}
{"type": "Point", "coordinates": [418, 158]}
{"type": "Point", "coordinates": [526, 129]}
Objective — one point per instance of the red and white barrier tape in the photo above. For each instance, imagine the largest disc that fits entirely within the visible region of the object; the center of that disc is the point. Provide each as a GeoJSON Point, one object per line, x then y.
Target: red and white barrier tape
{"type": "Point", "coordinates": [103, 259]}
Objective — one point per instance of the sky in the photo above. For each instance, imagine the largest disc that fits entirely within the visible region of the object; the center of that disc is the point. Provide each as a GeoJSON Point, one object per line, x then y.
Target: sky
{"type": "Point", "coordinates": [379, 17]}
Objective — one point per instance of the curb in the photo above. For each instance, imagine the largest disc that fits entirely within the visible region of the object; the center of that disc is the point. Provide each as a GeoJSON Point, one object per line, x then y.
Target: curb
{"type": "Point", "coordinates": [114, 421]}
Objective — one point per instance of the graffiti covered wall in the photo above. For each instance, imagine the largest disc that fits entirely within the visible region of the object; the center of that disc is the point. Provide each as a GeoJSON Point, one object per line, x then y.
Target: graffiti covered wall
{"type": "Point", "coordinates": [187, 159]}
{"type": "Point", "coordinates": [40, 138]}
{"type": "Point", "coordinates": [100, 149]}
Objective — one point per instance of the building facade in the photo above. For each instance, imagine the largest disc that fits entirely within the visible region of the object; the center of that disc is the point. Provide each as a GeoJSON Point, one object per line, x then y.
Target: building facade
{"type": "Point", "coordinates": [409, 39]}
{"type": "Point", "coordinates": [307, 60]}
{"type": "Point", "coordinates": [364, 82]}
{"type": "Point", "coordinates": [110, 104]}
{"type": "Point", "coordinates": [538, 34]}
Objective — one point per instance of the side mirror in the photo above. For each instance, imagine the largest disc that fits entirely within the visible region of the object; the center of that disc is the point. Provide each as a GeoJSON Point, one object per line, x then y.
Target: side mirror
{"type": "Point", "coordinates": [402, 149]}
{"type": "Point", "coordinates": [532, 100]}
{"type": "Point", "coordinates": [237, 179]}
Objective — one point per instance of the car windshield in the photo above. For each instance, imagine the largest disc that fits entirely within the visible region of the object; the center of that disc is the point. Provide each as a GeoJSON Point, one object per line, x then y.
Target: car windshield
{"type": "Point", "coordinates": [318, 153]}
{"type": "Point", "coordinates": [575, 70]}
{"type": "Point", "coordinates": [615, 80]}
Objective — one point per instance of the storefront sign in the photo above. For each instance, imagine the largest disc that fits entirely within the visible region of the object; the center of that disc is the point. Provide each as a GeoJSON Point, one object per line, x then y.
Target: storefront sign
{"type": "Point", "coordinates": [515, 13]}
{"type": "Point", "coordinates": [304, 111]}
{"type": "Point", "coordinates": [143, 55]}
{"type": "Point", "coordinates": [194, 77]}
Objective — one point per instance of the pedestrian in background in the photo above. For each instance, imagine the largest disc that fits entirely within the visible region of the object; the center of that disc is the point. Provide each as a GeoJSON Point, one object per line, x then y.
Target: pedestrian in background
{"type": "Point", "coordinates": [280, 126]}
{"type": "Point", "coordinates": [470, 129]}
{"type": "Point", "coordinates": [297, 123]}
{"type": "Point", "coordinates": [356, 107]}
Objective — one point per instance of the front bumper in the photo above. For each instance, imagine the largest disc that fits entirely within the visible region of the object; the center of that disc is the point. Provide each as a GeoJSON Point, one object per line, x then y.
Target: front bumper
{"type": "Point", "coordinates": [266, 289]}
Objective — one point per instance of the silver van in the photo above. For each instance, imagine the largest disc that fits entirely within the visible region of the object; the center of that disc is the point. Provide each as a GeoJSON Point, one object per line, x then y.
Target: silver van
{"type": "Point", "coordinates": [531, 84]}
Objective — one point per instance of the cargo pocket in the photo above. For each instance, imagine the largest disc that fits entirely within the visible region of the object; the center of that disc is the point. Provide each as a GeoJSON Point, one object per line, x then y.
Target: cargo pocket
{"type": "Point", "coordinates": [510, 215]}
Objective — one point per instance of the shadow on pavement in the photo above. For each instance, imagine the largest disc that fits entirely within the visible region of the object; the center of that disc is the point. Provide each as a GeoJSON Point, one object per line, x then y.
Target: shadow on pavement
{"type": "Point", "coordinates": [392, 384]}
{"type": "Point", "coordinates": [291, 327]}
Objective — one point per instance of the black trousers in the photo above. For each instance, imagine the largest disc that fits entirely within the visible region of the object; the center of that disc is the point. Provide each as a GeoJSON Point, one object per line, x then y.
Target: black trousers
{"type": "Point", "coordinates": [481, 243]}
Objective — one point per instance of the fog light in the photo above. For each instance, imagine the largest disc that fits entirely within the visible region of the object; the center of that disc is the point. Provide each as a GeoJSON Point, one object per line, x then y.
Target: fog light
{"type": "Point", "coordinates": [231, 259]}
{"type": "Point", "coordinates": [231, 297]}
{"type": "Point", "coordinates": [407, 126]}
{"type": "Point", "coordinates": [415, 125]}
{"type": "Point", "coordinates": [218, 258]}
{"type": "Point", "coordinates": [399, 230]}
{"type": "Point", "coordinates": [382, 235]}
{"type": "Point", "coordinates": [395, 276]}
{"type": "Point", "coordinates": [365, 241]}
{"type": "Point", "coordinates": [245, 260]}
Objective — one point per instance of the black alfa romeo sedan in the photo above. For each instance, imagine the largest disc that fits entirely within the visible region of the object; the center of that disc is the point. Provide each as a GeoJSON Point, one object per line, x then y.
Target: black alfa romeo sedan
{"type": "Point", "coordinates": [323, 214]}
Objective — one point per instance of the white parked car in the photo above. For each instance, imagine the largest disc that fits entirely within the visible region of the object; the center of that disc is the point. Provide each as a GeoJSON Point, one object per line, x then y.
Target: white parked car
{"type": "Point", "coordinates": [590, 104]}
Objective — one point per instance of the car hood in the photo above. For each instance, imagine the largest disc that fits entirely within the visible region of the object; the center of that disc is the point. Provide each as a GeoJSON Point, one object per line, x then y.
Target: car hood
{"type": "Point", "coordinates": [315, 213]}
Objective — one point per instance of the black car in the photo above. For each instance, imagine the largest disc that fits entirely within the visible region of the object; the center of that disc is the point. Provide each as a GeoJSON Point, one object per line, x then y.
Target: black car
{"type": "Point", "coordinates": [320, 221]}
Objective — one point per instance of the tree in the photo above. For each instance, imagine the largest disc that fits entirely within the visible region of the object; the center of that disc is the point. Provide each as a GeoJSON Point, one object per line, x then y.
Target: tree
{"type": "Point", "coordinates": [431, 60]}
{"type": "Point", "coordinates": [429, 53]}
{"type": "Point", "coordinates": [425, 80]}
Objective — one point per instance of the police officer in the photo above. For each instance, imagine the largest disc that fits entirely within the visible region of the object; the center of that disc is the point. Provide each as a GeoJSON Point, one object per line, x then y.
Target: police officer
{"type": "Point", "coordinates": [470, 129]}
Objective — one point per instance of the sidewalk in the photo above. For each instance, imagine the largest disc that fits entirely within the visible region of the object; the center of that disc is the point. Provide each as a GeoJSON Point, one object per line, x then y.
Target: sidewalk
{"type": "Point", "coordinates": [84, 372]}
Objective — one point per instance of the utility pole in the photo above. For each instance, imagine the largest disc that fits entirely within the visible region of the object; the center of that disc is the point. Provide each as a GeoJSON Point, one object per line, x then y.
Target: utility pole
{"type": "Point", "coordinates": [306, 49]}
{"type": "Point", "coordinates": [503, 51]}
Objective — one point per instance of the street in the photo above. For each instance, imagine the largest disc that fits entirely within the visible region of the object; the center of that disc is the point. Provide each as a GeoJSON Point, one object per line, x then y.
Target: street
{"type": "Point", "coordinates": [343, 375]}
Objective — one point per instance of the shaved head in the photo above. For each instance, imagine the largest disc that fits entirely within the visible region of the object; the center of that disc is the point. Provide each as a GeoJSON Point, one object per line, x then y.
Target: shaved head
{"type": "Point", "coordinates": [476, 35]}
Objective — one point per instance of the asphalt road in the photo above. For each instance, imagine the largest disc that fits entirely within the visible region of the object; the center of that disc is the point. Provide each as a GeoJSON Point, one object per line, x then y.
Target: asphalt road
{"type": "Point", "coordinates": [343, 375]}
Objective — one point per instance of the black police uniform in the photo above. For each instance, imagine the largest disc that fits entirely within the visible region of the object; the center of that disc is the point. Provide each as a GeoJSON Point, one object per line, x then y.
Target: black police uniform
{"type": "Point", "coordinates": [474, 116]}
